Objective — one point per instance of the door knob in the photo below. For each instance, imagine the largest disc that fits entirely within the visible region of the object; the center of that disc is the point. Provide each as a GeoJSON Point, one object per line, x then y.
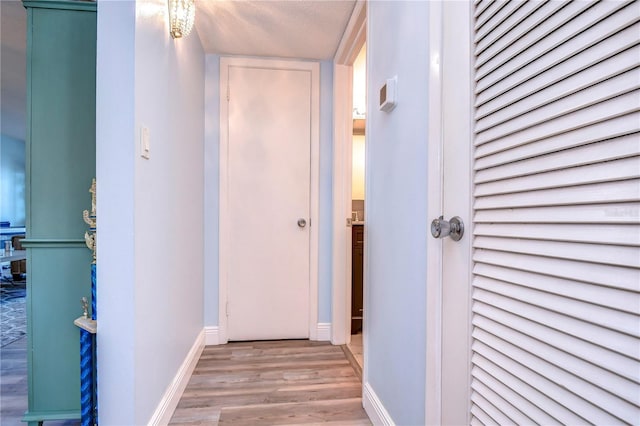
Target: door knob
{"type": "Point", "coordinates": [302, 223]}
{"type": "Point", "coordinates": [453, 228]}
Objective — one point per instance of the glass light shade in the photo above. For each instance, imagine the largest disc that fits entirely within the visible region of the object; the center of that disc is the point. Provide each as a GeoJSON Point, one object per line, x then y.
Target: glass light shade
{"type": "Point", "coordinates": [182, 14]}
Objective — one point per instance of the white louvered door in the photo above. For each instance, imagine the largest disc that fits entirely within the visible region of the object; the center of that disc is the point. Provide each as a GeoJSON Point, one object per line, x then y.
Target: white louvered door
{"type": "Point", "coordinates": [556, 248]}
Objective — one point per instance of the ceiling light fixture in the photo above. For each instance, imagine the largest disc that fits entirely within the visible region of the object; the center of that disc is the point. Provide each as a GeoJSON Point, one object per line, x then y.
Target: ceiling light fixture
{"type": "Point", "coordinates": [182, 14]}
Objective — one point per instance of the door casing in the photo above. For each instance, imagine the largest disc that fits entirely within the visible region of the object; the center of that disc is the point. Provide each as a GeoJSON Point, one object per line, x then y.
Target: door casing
{"type": "Point", "coordinates": [350, 45]}
{"type": "Point", "coordinates": [314, 68]}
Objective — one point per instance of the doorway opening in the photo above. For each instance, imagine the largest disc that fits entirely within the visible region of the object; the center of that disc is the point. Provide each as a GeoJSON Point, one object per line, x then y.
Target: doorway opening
{"type": "Point", "coordinates": [359, 102]}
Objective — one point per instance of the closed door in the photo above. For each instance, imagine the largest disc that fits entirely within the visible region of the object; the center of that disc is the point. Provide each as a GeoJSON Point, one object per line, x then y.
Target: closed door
{"type": "Point", "coordinates": [269, 177]}
{"type": "Point", "coordinates": [545, 330]}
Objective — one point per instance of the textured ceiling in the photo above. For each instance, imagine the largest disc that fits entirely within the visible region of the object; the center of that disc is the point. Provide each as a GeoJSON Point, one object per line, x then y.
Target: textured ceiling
{"type": "Point", "coordinates": [309, 29]}
{"type": "Point", "coordinates": [306, 29]}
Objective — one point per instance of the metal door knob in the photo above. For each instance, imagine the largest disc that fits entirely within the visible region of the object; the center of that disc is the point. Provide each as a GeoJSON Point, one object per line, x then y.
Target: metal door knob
{"type": "Point", "coordinates": [453, 228]}
{"type": "Point", "coordinates": [302, 223]}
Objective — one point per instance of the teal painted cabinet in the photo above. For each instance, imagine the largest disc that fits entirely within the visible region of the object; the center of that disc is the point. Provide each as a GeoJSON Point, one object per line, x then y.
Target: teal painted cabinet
{"type": "Point", "coordinates": [61, 70]}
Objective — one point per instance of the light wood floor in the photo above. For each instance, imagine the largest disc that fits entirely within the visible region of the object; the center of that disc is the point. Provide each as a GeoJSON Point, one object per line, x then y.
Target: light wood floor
{"type": "Point", "coordinates": [275, 382]}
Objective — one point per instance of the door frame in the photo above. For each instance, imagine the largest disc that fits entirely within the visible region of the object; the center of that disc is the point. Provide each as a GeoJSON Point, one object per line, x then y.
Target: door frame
{"type": "Point", "coordinates": [314, 222]}
{"type": "Point", "coordinates": [352, 41]}
{"type": "Point", "coordinates": [450, 118]}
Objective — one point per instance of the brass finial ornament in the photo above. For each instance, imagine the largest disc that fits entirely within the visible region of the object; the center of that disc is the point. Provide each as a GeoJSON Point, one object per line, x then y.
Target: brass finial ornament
{"type": "Point", "coordinates": [90, 219]}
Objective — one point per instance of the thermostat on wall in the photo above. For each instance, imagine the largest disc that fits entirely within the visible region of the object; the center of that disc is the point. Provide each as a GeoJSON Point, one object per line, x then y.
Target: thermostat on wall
{"type": "Point", "coordinates": [388, 95]}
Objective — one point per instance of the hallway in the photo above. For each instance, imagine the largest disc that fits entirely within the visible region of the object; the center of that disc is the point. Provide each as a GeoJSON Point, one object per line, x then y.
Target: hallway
{"type": "Point", "coordinates": [272, 382]}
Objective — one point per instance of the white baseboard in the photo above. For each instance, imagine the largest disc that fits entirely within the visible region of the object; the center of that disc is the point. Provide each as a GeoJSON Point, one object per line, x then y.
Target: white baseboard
{"type": "Point", "coordinates": [174, 391]}
{"type": "Point", "coordinates": [374, 408]}
{"type": "Point", "coordinates": [212, 335]}
{"type": "Point", "coordinates": [323, 331]}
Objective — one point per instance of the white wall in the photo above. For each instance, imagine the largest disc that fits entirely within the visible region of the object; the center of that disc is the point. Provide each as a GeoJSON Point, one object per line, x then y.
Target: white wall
{"type": "Point", "coordinates": [12, 180]}
{"type": "Point", "coordinates": [150, 212]}
{"type": "Point", "coordinates": [357, 167]}
{"type": "Point", "coordinates": [397, 222]}
{"type": "Point", "coordinates": [360, 84]}
{"type": "Point", "coordinates": [212, 145]}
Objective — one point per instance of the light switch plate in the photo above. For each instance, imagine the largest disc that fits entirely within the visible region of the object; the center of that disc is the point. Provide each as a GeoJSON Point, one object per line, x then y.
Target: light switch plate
{"type": "Point", "coordinates": [145, 147]}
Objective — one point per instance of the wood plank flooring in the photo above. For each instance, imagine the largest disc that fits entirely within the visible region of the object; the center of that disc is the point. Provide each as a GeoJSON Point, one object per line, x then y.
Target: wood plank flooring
{"type": "Point", "coordinates": [272, 382]}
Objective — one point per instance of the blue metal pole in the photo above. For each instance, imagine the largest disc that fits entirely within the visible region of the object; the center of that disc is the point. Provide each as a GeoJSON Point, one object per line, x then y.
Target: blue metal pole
{"type": "Point", "coordinates": [86, 378]}
{"type": "Point", "coordinates": [94, 315]}
{"type": "Point", "coordinates": [95, 343]}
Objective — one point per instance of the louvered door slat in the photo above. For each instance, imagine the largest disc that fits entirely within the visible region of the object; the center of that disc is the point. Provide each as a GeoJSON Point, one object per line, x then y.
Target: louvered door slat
{"type": "Point", "coordinates": [605, 80]}
{"type": "Point", "coordinates": [497, 417]}
{"type": "Point", "coordinates": [623, 169]}
{"type": "Point", "coordinates": [510, 105]}
{"type": "Point", "coordinates": [555, 382]}
{"type": "Point", "coordinates": [490, 12]}
{"type": "Point", "coordinates": [481, 6]}
{"type": "Point", "coordinates": [511, 415]}
{"type": "Point", "coordinates": [556, 221]}
{"type": "Point", "coordinates": [501, 393]}
{"type": "Point", "coordinates": [611, 149]}
{"type": "Point", "coordinates": [608, 192]}
{"type": "Point", "coordinates": [586, 29]}
{"type": "Point", "coordinates": [590, 113]}
{"type": "Point", "coordinates": [617, 366]}
{"type": "Point", "coordinates": [494, 25]}
{"type": "Point", "coordinates": [589, 313]}
{"type": "Point", "coordinates": [603, 254]}
{"type": "Point", "coordinates": [622, 300]}
{"type": "Point", "coordinates": [541, 21]}
{"type": "Point", "coordinates": [544, 393]}
{"type": "Point", "coordinates": [617, 342]}
{"type": "Point", "coordinates": [619, 213]}
{"type": "Point", "coordinates": [578, 233]}
{"type": "Point", "coordinates": [599, 274]}
{"type": "Point", "coordinates": [494, 154]}
{"type": "Point", "coordinates": [599, 381]}
{"type": "Point", "coordinates": [517, 392]}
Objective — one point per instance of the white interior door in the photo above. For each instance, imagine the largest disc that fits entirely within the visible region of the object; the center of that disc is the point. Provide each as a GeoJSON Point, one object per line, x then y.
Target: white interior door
{"type": "Point", "coordinates": [269, 179]}
{"type": "Point", "coordinates": [545, 330]}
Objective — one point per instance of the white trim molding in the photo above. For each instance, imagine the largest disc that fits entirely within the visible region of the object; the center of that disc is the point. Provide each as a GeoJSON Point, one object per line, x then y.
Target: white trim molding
{"type": "Point", "coordinates": [212, 335]}
{"type": "Point", "coordinates": [223, 281]}
{"type": "Point", "coordinates": [323, 331]}
{"type": "Point", "coordinates": [350, 45]}
{"type": "Point", "coordinates": [172, 395]}
{"type": "Point", "coordinates": [374, 408]}
{"type": "Point", "coordinates": [354, 35]}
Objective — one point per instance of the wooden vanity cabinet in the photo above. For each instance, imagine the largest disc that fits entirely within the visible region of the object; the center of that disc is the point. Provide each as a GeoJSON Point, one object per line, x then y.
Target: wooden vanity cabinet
{"type": "Point", "coordinates": [357, 255]}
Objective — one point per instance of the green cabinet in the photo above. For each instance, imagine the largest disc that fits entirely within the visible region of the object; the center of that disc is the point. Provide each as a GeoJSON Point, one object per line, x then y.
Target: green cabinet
{"type": "Point", "coordinates": [61, 78]}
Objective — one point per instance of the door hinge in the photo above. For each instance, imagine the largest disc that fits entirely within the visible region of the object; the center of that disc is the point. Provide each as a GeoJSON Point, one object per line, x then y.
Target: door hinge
{"type": "Point", "coordinates": [226, 308]}
{"type": "Point", "coordinates": [349, 222]}
{"type": "Point", "coordinates": [228, 93]}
